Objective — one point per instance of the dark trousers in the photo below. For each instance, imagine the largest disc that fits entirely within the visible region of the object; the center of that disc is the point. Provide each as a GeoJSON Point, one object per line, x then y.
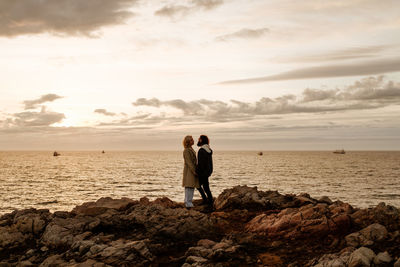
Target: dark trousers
{"type": "Point", "coordinates": [205, 187]}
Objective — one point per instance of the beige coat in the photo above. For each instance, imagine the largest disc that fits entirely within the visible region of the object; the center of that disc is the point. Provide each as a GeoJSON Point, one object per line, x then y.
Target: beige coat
{"type": "Point", "coordinates": [189, 170]}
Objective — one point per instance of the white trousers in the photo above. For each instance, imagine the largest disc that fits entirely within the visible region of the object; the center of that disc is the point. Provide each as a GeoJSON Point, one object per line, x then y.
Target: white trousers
{"type": "Point", "coordinates": [189, 191]}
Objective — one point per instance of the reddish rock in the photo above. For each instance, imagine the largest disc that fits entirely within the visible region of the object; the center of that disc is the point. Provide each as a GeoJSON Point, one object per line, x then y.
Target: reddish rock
{"type": "Point", "coordinates": [166, 203]}
{"type": "Point", "coordinates": [102, 205]}
{"type": "Point", "coordinates": [269, 259]}
{"type": "Point", "coordinates": [308, 221]}
{"type": "Point", "coordinates": [249, 228]}
{"type": "Point", "coordinates": [383, 214]}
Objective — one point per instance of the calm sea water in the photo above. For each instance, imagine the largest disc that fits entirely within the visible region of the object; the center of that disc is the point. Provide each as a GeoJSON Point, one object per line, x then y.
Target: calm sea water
{"type": "Point", "coordinates": [37, 179]}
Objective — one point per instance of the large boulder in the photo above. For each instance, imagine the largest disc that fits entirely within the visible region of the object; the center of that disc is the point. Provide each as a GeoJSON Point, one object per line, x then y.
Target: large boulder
{"type": "Point", "coordinates": [179, 223]}
{"type": "Point", "coordinates": [367, 236]}
{"type": "Point", "coordinates": [62, 232]}
{"type": "Point", "coordinates": [53, 261]}
{"type": "Point", "coordinates": [244, 197]}
{"type": "Point", "coordinates": [121, 252]}
{"type": "Point", "coordinates": [334, 260]}
{"type": "Point", "coordinates": [9, 238]}
{"type": "Point", "coordinates": [307, 221]}
{"type": "Point", "coordinates": [383, 214]}
{"type": "Point", "coordinates": [21, 226]}
{"type": "Point", "coordinates": [361, 257]}
{"type": "Point", "coordinates": [212, 253]}
{"type": "Point", "coordinates": [102, 205]}
{"type": "Point", "coordinates": [382, 259]}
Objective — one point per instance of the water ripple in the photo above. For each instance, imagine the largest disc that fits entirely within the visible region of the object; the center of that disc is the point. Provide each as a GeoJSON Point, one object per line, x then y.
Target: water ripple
{"type": "Point", "coordinates": [37, 179]}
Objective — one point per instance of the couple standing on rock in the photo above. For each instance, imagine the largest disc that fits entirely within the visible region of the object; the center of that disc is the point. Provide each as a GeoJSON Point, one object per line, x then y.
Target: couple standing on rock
{"type": "Point", "coordinates": [197, 171]}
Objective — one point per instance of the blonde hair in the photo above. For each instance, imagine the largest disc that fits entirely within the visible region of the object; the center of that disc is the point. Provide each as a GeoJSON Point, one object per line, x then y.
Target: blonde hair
{"type": "Point", "coordinates": [187, 141]}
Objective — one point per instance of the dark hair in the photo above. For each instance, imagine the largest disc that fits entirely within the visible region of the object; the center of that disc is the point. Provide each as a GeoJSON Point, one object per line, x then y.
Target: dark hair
{"type": "Point", "coordinates": [204, 139]}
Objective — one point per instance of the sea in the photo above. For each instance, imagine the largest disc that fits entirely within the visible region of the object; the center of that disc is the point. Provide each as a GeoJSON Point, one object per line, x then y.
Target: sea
{"type": "Point", "coordinates": [40, 180]}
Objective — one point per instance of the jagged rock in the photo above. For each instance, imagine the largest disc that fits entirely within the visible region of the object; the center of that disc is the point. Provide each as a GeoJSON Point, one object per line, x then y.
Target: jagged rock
{"type": "Point", "coordinates": [382, 258]}
{"type": "Point", "coordinates": [304, 199]}
{"type": "Point", "coordinates": [194, 259]}
{"type": "Point", "coordinates": [309, 221]}
{"type": "Point", "coordinates": [361, 257]}
{"type": "Point", "coordinates": [166, 203]}
{"type": "Point", "coordinates": [82, 246]}
{"type": "Point", "coordinates": [244, 197]}
{"type": "Point", "coordinates": [172, 223]}
{"type": "Point", "coordinates": [199, 252]}
{"type": "Point", "coordinates": [29, 223]}
{"type": "Point", "coordinates": [335, 260]}
{"type": "Point", "coordinates": [269, 259]}
{"type": "Point", "coordinates": [141, 248]}
{"type": "Point", "coordinates": [102, 205]}
{"type": "Point", "coordinates": [63, 232]}
{"type": "Point", "coordinates": [367, 236]}
{"type": "Point", "coordinates": [89, 263]}
{"type": "Point", "coordinates": [206, 243]}
{"type": "Point", "coordinates": [96, 249]}
{"type": "Point", "coordinates": [383, 214]}
{"type": "Point", "coordinates": [20, 226]}
{"type": "Point", "coordinates": [120, 252]}
{"type": "Point", "coordinates": [240, 197]}
{"type": "Point", "coordinates": [53, 261]}
{"type": "Point", "coordinates": [250, 228]}
{"type": "Point", "coordinates": [325, 199]}
{"type": "Point", "coordinates": [24, 264]}
{"type": "Point", "coordinates": [10, 239]}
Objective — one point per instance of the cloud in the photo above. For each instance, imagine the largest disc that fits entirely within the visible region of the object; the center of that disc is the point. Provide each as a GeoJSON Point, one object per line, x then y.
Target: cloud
{"type": "Point", "coordinates": [32, 104]}
{"type": "Point", "coordinates": [173, 10]}
{"type": "Point", "coordinates": [33, 119]}
{"type": "Point", "coordinates": [344, 54]}
{"type": "Point", "coordinates": [244, 34]}
{"type": "Point", "coordinates": [62, 17]}
{"type": "Point", "coordinates": [153, 102]}
{"type": "Point", "coordinates": [336, 114]}
{"type": "Point", "coordinates": [356, 69]}
{"type": "Point", "coordinates": [104, 112]}
{"type": "Point", "coordinates": [368, 93]}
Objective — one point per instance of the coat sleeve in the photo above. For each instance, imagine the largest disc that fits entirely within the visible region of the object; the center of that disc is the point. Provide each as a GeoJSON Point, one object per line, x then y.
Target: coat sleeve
{"type": "Point", "coordinates": [202, 162]}
{"type": "Point", "coordinates": [189, 161]}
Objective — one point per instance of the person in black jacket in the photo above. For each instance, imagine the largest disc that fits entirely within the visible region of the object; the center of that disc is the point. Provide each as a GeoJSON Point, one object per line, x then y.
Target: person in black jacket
{"type": "Point", "coordinates": [204, 169]}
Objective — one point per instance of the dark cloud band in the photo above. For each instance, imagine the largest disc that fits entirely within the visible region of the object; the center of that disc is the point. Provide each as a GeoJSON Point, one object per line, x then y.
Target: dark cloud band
{"type": "Point", "coordinates": [363, 68]}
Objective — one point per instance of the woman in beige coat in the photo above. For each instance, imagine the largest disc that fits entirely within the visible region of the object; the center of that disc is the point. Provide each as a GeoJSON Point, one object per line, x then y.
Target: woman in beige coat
{"type": "Point", "coordinates": [190, 180]}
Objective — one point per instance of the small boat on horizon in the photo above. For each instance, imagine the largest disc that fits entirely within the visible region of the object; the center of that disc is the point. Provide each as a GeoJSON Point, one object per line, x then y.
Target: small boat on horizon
{"type": "Point", "coordinates": [103, 152]}
{"type": "Point", "coordinates": [339, 151]}
{"type": "Point", "coordinates": [56, 154]}
{"type": "Point", "coordinates": [260, 153]}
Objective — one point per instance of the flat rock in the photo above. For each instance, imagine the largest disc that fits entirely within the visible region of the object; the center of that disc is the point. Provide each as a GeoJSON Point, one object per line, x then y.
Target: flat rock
{"type": "Point", "coordinates": [103, 204]}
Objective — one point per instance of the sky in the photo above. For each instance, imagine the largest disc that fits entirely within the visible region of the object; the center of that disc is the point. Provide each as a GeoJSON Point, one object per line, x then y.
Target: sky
{"type": "Point", "coordinates": [252, 75]}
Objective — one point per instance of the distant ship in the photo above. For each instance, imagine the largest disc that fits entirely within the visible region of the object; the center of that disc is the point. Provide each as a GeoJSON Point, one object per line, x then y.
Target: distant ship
{"type": "Point", "coordinates": [103, 152]}
{"type": "Point", "coordinates": [339, 151]}
{"type": "Point", "coordinates": [260, 153]}
{"type": "Point", "coordinates": [55, 154]}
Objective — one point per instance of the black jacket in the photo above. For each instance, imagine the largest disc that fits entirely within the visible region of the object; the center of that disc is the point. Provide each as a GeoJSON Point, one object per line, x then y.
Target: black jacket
{"type": "Point", "coordinates": [205, 163]}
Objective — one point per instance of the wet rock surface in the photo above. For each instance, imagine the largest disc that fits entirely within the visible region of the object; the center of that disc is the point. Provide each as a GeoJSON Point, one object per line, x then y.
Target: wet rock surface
{"type": "Point", "coordinates": [247, 227]}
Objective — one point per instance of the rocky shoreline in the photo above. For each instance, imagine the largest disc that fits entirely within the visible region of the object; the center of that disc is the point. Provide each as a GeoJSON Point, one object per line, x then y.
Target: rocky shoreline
{"type": "Point", "coordinates": [248, 227]}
